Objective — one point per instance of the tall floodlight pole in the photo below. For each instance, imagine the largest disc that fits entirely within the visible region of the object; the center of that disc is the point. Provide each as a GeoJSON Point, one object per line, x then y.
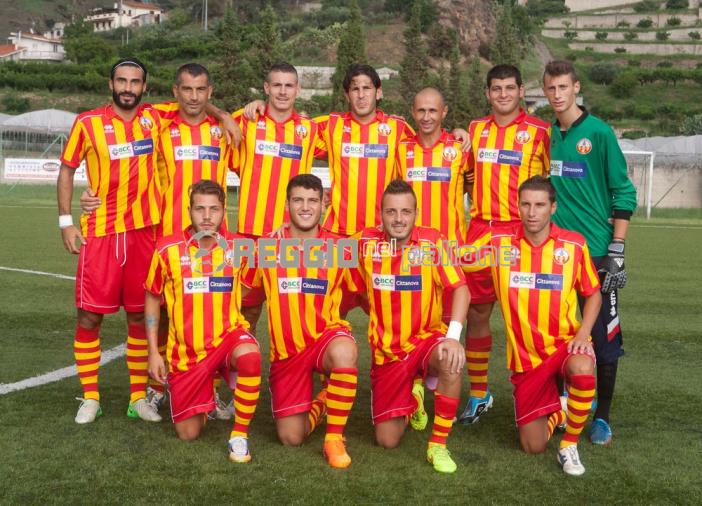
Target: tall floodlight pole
{"type": "Point", "coordinates": [204, 15]}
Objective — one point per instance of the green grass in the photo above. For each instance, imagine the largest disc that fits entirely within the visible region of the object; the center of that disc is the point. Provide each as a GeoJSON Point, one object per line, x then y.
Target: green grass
{"type": "Point", "coordinates": [48, 459]}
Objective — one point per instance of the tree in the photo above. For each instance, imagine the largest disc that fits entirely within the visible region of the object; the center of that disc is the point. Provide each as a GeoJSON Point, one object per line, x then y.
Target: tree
{"type": "Point", "coordinates": [477, 102]}
{"type": "Point", "coordinates": [82, 45]}
{"type": "Point", "coordinates": [351, 49]}
{"type": "Point", "coordinates": [505, 48]}
{"type": "Point", "coordinates": [414, 68]}
{"type": "Point", "coordinates": [266, 44]}
{"type": "Point", "coordinates": [234, 75]}
{"type": "Point", "coordinates": [456, 93]}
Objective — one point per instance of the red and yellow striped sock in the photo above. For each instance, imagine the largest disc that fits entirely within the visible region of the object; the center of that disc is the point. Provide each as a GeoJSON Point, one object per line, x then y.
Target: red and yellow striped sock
{"type": "Point", "coordinates": [554, 420]}
{"type": "Point", "coordinates": [162, 343]}
{"type": "Point", "coordinates": [477, 357]}
{"type": "Point", "coordinates": [86, 351]}
{"type": "Point", "coordinates": [581, 391]}
{"type": "Point", "coordinates": [137, 362]}
{"type": "Point", "coordinates": [248, 385]}
{"type": "Point", "coordinates": [341, 392]}
{"type": "Point", "coordinates": [317, 410]}
{"type": "Point", "coordinates": [444, 412]}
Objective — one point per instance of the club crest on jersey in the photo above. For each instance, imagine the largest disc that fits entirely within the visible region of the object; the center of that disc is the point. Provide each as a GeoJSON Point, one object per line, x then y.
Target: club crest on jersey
{"type": "Point", "coordinates": [215, 132]}
{"type": "Point", "coordinates": [301, 131]}
{"type": "Point", "coordinates": [146, 123]}
{"type": "Point", "coordinates": [561, 256]}
{"type": "Point", "coordinates": [450, 153]}
{"type": "Point", "coordinates": [584, 146]}
{"type": "Point", "coordinates": [522, 137]}
{"type": "Point", "coordinates": [384, 129]}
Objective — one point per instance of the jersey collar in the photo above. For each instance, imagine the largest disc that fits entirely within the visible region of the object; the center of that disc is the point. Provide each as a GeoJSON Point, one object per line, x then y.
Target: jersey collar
{"type": "Point", "coordinates": [379, 117]}
{"type": "Point", "coordinates": [578, 121]}
{"type": "Point", "coordinates": [179, 120]}
{"type": "Point", "coordinates": [444, 138]}
{"type": "Point", "coordinates": [294, 116]}
{"type": "Point", "coordinates": [112, 114]}
{"type": "Point", "coordinates": [520, 117]}
{"type": "Point", "coordinates": [553, 233]}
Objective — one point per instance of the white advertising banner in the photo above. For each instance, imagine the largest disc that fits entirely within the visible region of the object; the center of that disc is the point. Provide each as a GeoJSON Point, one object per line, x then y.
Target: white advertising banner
{"type": "Point", "coordinates": [38, 169]}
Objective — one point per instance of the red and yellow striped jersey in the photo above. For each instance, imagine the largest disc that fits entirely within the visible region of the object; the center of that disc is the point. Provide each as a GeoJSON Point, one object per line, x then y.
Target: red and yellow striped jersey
{"type": "Point", "coordinates": [361, 164]}
{"type": "Point", "coordinates": [202, 296]}
{"type": "Point", "coordinates": [120, 166]}
{"type": "Point", "coordinates": [187, 154]}
{"type": "Point", "coordinates": [404, 289]}
{"type": "Point", "coordinates": [270, 154]}
{"type": "Point", "coordinates": [502, 158]}
{"type": "Point", "coordinates": [303, 301]}
{"type": "Point", "coordinates": [537, 289]}
{"type": "Point", "coordinates": [437, 175]}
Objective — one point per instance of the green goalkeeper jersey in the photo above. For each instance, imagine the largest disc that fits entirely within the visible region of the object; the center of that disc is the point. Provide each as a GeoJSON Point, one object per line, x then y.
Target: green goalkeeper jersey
{"type": "Point", "coordinates": [588, 170]}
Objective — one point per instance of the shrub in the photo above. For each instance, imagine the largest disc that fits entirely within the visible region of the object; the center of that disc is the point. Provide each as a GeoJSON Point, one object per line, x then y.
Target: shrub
{"type": "Point", "coordinates": [570, 34]}
{"type": "Point", "coordinates": [633, 63]}
{"type": "Point", "coordinates": [673, 21]}
{"type": "Point", "coordinates": [676, 4]}
{"type": "Point", "coordinates": [603, 73]}
{"type": "Point", "coordinates": [631, 35]}
{"type": "Point", "coordinates": [694, 35]}
{"type": "Point", "coordinates": [634, 134]}
{"type": "Point", "coordinates": [606, 112]}
{"type": "Point", "coordinates": [620, 50]}
{"type": "Point", "coordinates": [601, 35]}
{"type": "Point", "coordinates": [623, 24]}
{"type": "Point", "coordinates": [589, 49]}
{"type": "Point", "coordinates": [624, 85]}
{"type": "Point", "coordinates": [15, 104]}
{"type": "Point", "coordinates": [662, 35]}
{"type": "Point", "coordinates": [645, 23]}
{"type": "Point", "coordinates": [691, 125]}
{"type": "Point", "coordinates": [647, 6]}
{"type": "Point", "coordinates": [664, 64]}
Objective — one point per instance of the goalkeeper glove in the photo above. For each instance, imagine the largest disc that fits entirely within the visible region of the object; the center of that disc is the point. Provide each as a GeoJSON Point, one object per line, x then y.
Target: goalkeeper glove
{"type": "Point", "coordinates": [613, 267]}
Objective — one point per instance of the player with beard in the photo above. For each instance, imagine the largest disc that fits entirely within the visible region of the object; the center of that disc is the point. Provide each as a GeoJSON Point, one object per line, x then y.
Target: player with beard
{"type": "Point", "coordinates": [116, 241]}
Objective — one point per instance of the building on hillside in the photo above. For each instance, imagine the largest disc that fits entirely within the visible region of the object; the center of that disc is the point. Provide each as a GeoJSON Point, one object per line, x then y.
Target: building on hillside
{"type": "Point", "coordinates": [32, 47]}
{"type": "Point", "coordinates": [125, 14]}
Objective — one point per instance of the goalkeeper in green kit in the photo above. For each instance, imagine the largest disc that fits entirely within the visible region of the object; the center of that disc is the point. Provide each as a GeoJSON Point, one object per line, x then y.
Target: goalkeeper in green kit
{"type": "Point", "coordinates": [595, 198]}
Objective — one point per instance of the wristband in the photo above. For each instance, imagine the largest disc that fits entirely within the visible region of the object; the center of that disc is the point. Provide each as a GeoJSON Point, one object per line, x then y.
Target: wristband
{"type": "Point", "coordinates": [65, 220]}
{"type": "Point", "coordinates": [454, 330]}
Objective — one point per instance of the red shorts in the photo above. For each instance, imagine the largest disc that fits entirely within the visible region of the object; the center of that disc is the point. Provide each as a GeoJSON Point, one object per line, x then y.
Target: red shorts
{"type": "Point", "coordinates": [191, 391]}
{"type": "Point", "coordinates": [479, 282]}
{"type": "Point", "coordinates": [536, 392]}
{"type": "Point", "coordinates": [391, 383]}
{"type": "Point", "coordinates": [112, 270]}
{"type": "Point", "coordinates": [256, 295]}
{"type": "Point", "coordinates": [291, 380]}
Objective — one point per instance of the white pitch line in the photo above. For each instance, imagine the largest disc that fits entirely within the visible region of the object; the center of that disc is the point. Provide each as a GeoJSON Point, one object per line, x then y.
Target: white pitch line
{"type": "Point", "coordinates": [26, 207]}
{"type": "Point", "coordinates": [40, 273]}
{"type": "Point", "coordinates": [59, 374]}
{"type": "Point", "coordinates": [684, 227]}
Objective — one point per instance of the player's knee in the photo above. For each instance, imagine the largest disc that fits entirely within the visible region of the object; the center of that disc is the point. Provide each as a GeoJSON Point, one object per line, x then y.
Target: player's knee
{"type": "Point", "coordinates": [387, 441]}
{"type": "Point", "coordinates": [343, 353]}
{"type": "Point", "coordinates": [532, 447]}
{"type": "Point", "coordinates": [89, 320]}
{"type": "Point", "coordinates": [580, 364]}
{"type": "Point", "coordinates": [135, 319]}
{"type": "Point", "coordinates": [188, 433]}
{"type": "Point", "coordinates": [249, 363]}
{"type": "Point", "coordinates": [291, 438]}
{"type": "Point", "coordinates": [450, 377]}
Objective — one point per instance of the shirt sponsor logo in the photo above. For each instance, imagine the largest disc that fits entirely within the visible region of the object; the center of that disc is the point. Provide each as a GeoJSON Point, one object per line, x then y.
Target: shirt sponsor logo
{"type": "Point", "coordinates": [197, 153]}
{"type": "Point", "coordinates": [488, 155]}
{"type": "Point", "coordinates": [384, 129]}
{"type": "Point", "coordinates": [278, 149]}
{"type": "Point", "coordinates": [131, 149]}
{"type": "Point", "coordinates": [568, 169]}
{"type": "Point", "coordinates": [522, 137]}
{"type": "Point", "coordinates": [561, 256]}
{"type": "Point", "coordinates": [509, 157]}
{"type": "Point", "coordinates": [536, 281]}
{"type": "Point", "coordinates": [303, 285]}
{"type": "Point", "coordinates": [440, 174]}
{"type": "Point", "coordinates": [392, 283]}
{"type": "Point", "coordinates": [208, 284]}
{"type": "Point", "coordinates": [584, 146]}
{"type": "Point", "coordinates": [356, 150]}
{"type": "Point", "coordinates": [450, 153]}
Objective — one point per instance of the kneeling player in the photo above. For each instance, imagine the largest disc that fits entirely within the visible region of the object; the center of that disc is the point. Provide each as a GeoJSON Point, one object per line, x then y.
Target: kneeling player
{"type": "Point", "coordinates": [403, 270]}
{"type": "Point", "coordinates": [540, 272]}
{"type": "Point", "coordinates": [307, 334]}
{"type": "Point", "coordinates": [207, 333]}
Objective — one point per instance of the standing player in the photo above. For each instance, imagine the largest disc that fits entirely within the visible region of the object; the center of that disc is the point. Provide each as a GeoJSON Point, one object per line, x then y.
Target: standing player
{"type": "Point", "coordinates": [507, 147]}
{"type": "Point", "coordinates": [403, 270]}
{"type": "Point", "coordinates": [207, 333]}
{"type": "Point", "coordinates": [277, 145]}
{"type": "Point", "coordinates": [541, 271]}
{"type": "Point", "coordinates": [597, 199]}
{"type": "Point", "coordinates": [117, 143]}
{"type": "Point", "coordinates": [434, 165]}
{"type": "Point", "coordinates": [307, 334]}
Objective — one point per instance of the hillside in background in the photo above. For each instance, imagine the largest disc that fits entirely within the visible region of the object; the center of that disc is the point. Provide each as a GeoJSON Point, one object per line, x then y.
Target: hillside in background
{"type": "Point", "coordinates": [42, 14]}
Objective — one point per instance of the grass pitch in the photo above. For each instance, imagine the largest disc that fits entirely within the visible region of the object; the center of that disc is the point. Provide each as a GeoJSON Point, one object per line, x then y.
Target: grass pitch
{"type": "Point", "coordinates": [656, 457]}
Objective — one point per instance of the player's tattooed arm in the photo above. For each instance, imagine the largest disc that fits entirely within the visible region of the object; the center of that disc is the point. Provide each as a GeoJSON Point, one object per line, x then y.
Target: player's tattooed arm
{"type": "Point", "coordinates": [151, 322]}
{"type": "Point", "coordinates": [152, 313]}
